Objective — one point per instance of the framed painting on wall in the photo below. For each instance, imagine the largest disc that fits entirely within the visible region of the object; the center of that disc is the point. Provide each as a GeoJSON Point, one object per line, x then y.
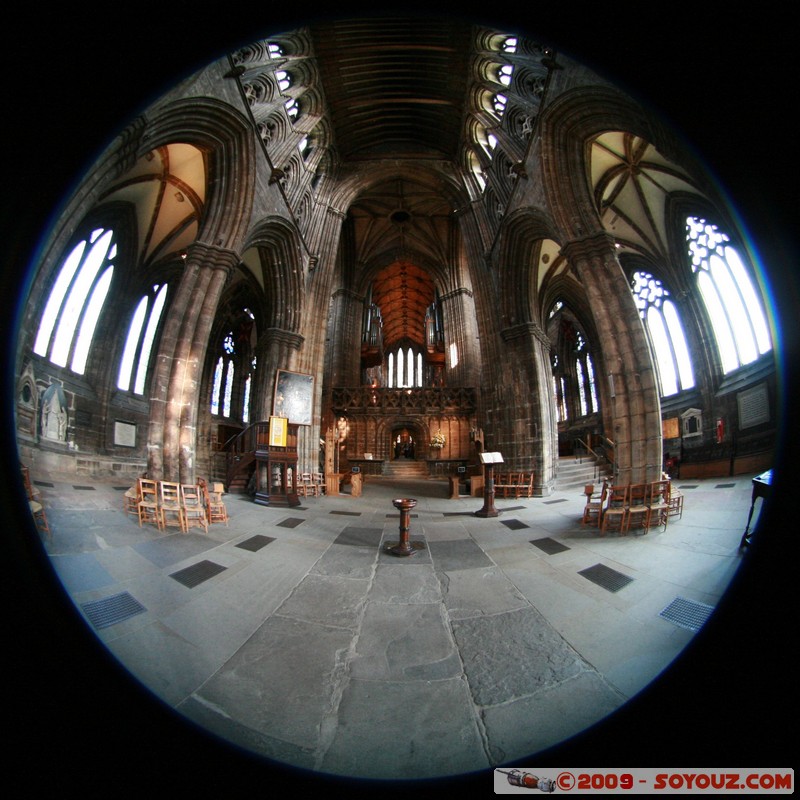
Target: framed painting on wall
{"type": "Point", "coordinates": [294, 397]}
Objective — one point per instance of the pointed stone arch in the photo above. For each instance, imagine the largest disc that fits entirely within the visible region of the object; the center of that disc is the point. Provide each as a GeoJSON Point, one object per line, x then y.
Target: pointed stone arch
{"type": "Point", "coordinates": [226, 136]}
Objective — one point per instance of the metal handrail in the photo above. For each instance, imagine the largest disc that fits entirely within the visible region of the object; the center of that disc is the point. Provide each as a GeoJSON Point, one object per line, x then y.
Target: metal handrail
{"type": "Point", "coordinates": [599, 457]}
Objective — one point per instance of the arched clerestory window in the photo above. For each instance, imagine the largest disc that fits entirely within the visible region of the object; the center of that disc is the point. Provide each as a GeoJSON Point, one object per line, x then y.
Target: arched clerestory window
{"type": "Point", "coordinates": [224, 373]}
{"type": "Point", "coordinates": [73, 307]}
{"type": "Point", "coordinates": [733, 305]}
{"type": "Point", "coordinates": [140, 339]}
{"type": "Point", "coordinates": [584, 375]}
{"type": "Point", "coordinates": [666, 334]}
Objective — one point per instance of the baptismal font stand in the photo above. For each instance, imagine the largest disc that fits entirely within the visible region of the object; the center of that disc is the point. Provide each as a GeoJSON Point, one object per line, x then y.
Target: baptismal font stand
{"type": "Point", "coordinates": [404, 547]}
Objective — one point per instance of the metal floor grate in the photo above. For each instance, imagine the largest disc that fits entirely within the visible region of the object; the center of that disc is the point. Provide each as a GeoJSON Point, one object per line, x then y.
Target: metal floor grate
{"type": "Point", "coordinates": [687, 614]}
{"type": "Point", "coordinates": [44, 483]}
{"type": "Point", "coordinates": [725, 486]}
{"type": "Point", "coordinates": [549, 546]}
{"type": "Point", "coordinates": [84, 488]}
{"type": "Point", "coordinates": [347, 513]}
{"type": "Point", "coordinates": [197, 573]}
{"type": "Point", "coordinates": [255, 543]}
{"type": "Point", "coordinates": [291, 522]}
{"type": "Point", "coordinates": [111, 610]}
{"type": "Point", "coordinates": [514, 524]}
{"type": "Point", "coordinates": [558, 500]}
{"type": "Point", "coordinates": [606, 577]}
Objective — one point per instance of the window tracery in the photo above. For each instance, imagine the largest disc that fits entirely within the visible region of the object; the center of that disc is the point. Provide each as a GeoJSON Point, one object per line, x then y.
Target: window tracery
{"type": "Point", "coordinates": [666, 334]}
{"type": "Point", "coordinates": [734, 309]}
{"type": "Point", "coordinates": [140, 339]}
{"type": "Point", "coordinates": [73, 307]}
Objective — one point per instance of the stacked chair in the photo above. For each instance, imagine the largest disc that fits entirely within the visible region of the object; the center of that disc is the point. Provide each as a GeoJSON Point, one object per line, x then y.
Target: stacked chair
{"type": "Point", "coordinates": [215, 506]}
{"type": "Point", "coordinates": [593, 510]}
{"type": "Point", "coordinates": [147, 505]}
{"type": "Point", "coordinates": [635, 506]}
{"type": "Point", "coordinates": [638, 507]}
{"type": "Point", "coordinates": [194, 507]}
{"type": "Point", "coordinates": [307, 486]}
{"type": "Point", "coordinates": [167, 504]}
{"type": "Point", "coordinates": [615, 513]}
{"type": "Point", "coordinates": [659, 502]}
{"type": "Point", "coordinates": [170, 506]}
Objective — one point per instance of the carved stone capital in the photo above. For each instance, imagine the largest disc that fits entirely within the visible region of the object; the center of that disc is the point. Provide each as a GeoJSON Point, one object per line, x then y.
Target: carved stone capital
{"type": "Point", "coordinates": [213, 257]}
{"type": "Point", "coordinates": [525, 330]}
{"type": "Point", "coordinates": [595, 246]}
{"type": "Point", "coordinates": [272, 336]}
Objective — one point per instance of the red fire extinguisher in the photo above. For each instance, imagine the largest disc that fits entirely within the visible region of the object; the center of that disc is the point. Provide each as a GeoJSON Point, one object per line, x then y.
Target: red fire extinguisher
{"type": "Point", "coordinates": [720, 430]}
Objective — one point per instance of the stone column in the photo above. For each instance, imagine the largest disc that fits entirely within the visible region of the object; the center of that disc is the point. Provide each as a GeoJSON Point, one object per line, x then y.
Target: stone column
{"type": "Point", "coordinates": [220, 264]}
{"type": "Point", "coordinates": [631, 380]}
{"type": "Point", "coordinates": [458, 317]}
{"type": "Point", "coordinates": [163, 366]}
{"type": "Point", "coordinates": [183, 382]}
{"type": "Point", "coordinates": [346, 314]}
{"type": "Point", "coordinates": [529, 437]}
{"type": "Point", "coordinates": [275, 350]}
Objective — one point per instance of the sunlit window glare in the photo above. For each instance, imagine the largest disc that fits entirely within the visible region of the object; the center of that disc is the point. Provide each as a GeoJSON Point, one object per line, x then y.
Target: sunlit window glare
{"type": "Point", "coordinates": [75, 302]}
{"type": "Point", "coordinates": [736, 314]}
{"type": "Point", "coordinates": [666, 333]}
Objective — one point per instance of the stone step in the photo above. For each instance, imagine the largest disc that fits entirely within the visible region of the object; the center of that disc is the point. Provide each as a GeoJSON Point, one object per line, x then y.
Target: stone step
{"type": "Point", "coordinates": [575, 473]}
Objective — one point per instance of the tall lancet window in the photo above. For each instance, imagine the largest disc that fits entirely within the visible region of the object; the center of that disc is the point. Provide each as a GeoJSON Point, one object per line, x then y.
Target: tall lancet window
{"type": "Point", "coordinates": [73, 307]}
{"type": "Point", "coordinates": [663, 325]}
{"type": "Point", "coordinates": [734, 308]}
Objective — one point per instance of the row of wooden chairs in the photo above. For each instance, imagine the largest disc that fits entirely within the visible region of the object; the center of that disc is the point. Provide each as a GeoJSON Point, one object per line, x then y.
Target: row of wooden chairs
{"type": "Point", "coordinates": [171, 504]}
{"type": "Point", "coordinates": [513, 484]}
{"type": "Point", "coordinates": [642, 505]}
{"type": "Point", "coordinates": [311, 484]}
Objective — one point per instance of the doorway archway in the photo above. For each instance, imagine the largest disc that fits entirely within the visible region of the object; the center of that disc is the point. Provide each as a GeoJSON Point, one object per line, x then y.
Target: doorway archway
{"type": "Point", "coordinates": [405, 443]}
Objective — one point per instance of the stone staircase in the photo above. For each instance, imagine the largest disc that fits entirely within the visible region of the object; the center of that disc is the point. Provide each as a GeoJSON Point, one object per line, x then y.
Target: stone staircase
{"type": "Point", "coordinates": [575, 472]}
{"type": "Point", "coordinates": [403, 468]}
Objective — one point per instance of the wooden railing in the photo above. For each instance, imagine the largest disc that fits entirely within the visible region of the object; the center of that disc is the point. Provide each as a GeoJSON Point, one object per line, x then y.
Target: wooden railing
{"type": "Point", "coordinates": [240, 449]}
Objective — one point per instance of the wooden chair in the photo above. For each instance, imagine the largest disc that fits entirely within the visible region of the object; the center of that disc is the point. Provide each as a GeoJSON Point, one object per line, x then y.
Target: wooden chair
{"type": "Point", "coordinates": [40, 518]}
{"type": "Point", "coordinates": [529, 487]}
{"type": "Point", "coordinates": [170, 507]}
{"type": "Point", "coordinates": [638, 507]}
{"type": "Point", "coordinates": [615, 514]}
{"type": "Point", "coordinates": [130, 500]}
{"type": "Point", "coordinates": [147, 506]}
{"type": "Point", "coordinates": [217, 512]}
{"type": "Point", "coordinates": [593, 510]}
{"type": "Point", "coordinates": [659, 503]}
{"type": "Point", "coordinates": [306, 486]}
{"type": "Point", "coordinates": [675, 503]}
{"type": "Point", "coordinates": [501, 483]}
{"type": "Point", "coordinates": [194, 507]}
{"type": "Point", "coordinates": [30, 490]}
{"type": "Point", "coordinates": [319, 481]}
